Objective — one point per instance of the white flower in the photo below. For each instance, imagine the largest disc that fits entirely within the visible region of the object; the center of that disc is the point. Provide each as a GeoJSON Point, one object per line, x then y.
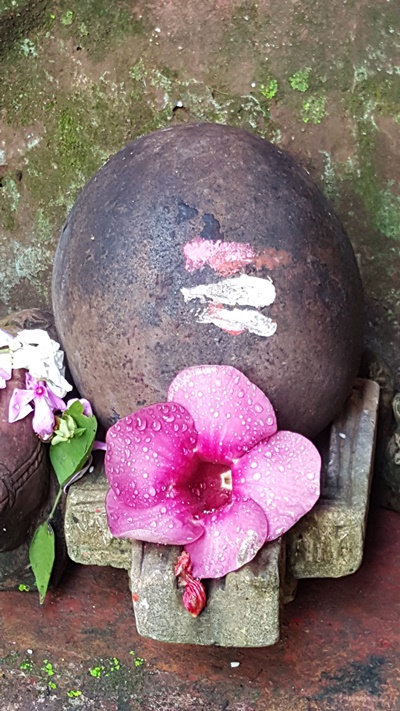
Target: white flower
{"type": "Point", "coordinates": [35, 351]}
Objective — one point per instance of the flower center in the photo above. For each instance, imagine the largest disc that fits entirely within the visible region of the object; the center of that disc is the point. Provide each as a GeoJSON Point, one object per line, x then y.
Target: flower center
{"type": "Point", "coordinates": [212, 484]}
{"type": "Point", "coordinates": [39, 390]}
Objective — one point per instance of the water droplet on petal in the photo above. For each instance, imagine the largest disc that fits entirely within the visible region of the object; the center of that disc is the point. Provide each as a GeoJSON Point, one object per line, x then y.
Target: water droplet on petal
{"type": "Point", "coordinates": [152, 491]}
{"type": "Point", "coordinates": [258, 408]}
{"type": "Point", "coordinates": [141, 424]}
{"type": "Point", "coordinates": [156, 425]}
{"type": "Point", "coordinates": [310, 476]}
{"type": "Point", "coordinates": [240, 393]}
{"type": "Point", "coordinates": [145, 475]}
{"type": "Point", "coordinates": [253, 465]}
{"type": "Point", "coordinates": [153, 524]}
{"type": "Point", "coordinates": [270, 420]}
{"type": "Point", "coordinates": [256, 476]}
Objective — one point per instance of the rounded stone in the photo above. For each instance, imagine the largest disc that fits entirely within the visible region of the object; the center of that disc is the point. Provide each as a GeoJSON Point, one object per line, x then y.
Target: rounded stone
{"type": "Point", "coordinates": [205, 244]}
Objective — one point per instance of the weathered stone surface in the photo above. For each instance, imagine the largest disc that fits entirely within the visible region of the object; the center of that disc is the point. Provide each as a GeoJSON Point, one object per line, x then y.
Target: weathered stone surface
{"type": "Point", "coordinates": [242, 608]}
{"type": "Point", "coordinates": [329, 541]}
{"type": "Point", "coordinates": [86, 531]}
{"type": "Point", "coordinates": [134, 305]}
{"type": "Point", "coordinates": [389, 465]}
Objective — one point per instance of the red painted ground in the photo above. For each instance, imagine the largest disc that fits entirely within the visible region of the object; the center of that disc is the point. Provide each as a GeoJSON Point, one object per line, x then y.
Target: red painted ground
{"type": "Point", "coordinates": [340, 647]}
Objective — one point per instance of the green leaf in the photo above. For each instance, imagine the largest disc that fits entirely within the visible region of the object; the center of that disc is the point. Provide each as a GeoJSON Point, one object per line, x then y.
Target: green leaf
{"type": "Point", "coordinates": [70, 456]}
{"type": "Point", "coordinates": [41, 557]}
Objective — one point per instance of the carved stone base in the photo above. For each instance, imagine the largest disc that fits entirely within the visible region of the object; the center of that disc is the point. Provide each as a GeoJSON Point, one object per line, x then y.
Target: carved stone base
{"type": "Point", "coordinates": [243, 608]}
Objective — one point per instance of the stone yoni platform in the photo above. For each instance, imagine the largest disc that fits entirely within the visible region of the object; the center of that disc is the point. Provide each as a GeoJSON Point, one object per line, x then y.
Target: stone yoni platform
{"type": "Point", "coordinates": [243, 608]}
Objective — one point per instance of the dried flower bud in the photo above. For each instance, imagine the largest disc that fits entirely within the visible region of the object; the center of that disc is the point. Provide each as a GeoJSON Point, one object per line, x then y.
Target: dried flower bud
{"type": "Point", "coordinates": [194, 596]}
{"type": "Point", "coordinates": [183, 565]}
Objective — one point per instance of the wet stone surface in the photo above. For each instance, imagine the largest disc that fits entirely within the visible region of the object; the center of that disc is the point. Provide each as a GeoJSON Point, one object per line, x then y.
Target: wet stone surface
{"type": "Point", "coordinates": [328, 542]}
{"type": "Point", "coordinates": [256, 271]}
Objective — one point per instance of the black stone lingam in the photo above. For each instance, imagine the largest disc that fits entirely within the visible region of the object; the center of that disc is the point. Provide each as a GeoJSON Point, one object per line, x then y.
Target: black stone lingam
{"type": "Point", "coordinates": [206, 244]}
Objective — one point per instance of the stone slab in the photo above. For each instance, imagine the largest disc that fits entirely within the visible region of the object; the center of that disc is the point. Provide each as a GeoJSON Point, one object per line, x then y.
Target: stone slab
{"type": "Point", "coordinates": [329, 541]}
{"type": "Point", "coordinates": [88, 537]}
{"type": "Point", "coordinates": [243, 608]}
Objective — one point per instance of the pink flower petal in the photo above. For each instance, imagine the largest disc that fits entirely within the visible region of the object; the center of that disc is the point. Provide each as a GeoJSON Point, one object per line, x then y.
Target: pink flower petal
{"type": "Point", "coordinates": [56, 402]}
{"type": "Point", "coordinates": [233, 535]}
{"type": "Point", "coordinates": [19, 404]}
{"type": "Point", "coordinates": [30, 381]}
{"type": "Point", "coordinates": [151, 453]}
{"type": "Point", "coordinates": [5, 374]}
{"type": "Point", "coordinates": [43, 418]}
{"type": "Point", "coordinates": [87, 408]}
{"type": "Point", "coordinates": [283, 477]}
{"type": "Point", "coordinates": [230, 413]}
{"type": "Point", "coordinates": [170, 522]}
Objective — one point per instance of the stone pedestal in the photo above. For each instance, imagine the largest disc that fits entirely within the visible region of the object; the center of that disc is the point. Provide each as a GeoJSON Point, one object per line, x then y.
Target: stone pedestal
{"type": "Point", "coordinates": [243, 608]}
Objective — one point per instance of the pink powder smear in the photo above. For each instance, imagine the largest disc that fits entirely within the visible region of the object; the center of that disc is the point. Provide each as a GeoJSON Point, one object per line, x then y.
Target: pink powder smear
{"type": "Point", "coordinates": [224, 257]}
{"type": "Point", "coordinates": [227, 258]}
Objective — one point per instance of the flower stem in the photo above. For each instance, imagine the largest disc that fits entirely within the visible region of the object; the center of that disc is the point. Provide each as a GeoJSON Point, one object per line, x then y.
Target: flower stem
{"type": "Point", "coordinates": [52, 512]}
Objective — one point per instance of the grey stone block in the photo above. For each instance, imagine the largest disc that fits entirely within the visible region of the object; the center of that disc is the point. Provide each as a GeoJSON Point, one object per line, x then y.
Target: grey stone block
{"type": "Point", "coordinates": [87, 534]}
{"type": "Point", "coordinates": [329, 541]}
{"type": "Point", "coordinates": [243, 608]}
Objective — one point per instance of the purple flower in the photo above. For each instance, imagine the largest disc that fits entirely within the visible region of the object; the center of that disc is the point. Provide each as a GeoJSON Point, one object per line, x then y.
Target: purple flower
{"type": "Point", "coordinates": [208, 470]}
{"type": "Point", "coordinates": [45, 403]}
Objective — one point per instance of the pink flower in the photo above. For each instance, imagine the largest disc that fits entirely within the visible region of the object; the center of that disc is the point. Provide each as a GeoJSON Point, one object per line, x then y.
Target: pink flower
{"type": "Point", "coordinates": [208, 470]}
{"type": "Point", "coordinates": [45, 403]}
{"type": "Point", "coordinates": [5, 358]}
{"type": "Point", "coordinates": [87, 408]}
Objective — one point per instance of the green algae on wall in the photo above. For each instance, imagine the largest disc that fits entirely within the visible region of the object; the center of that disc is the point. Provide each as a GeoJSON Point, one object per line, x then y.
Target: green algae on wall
{"type": "Point", "coordinates": [90, 76]}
